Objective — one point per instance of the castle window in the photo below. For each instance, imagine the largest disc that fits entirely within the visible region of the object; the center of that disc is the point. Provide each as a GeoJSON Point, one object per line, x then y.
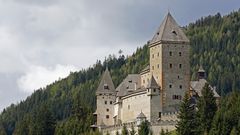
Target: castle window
{"type": "Point", "coordinates": [174, 32]}
{"type": "Point", "coordinates": [180, 86]}
{"type": "Point", "coordinates": [170, 86]}
{"type": "Point", "coordinates": [180, 53]}
{"type": "Point", "coordinates": [154, 90]}
{"type": "Point", "coordinates": [180, 65]}
{"type": "Point", "coordinates": [159, 115]}
{"type": "Point", "coordinates": [107, 116]}
{"type": "Point", "coordinates": [152, 67]}
{"type": "Point", "coordinates": [178, 77]}
{"type": "Point", "coordinates": [128, 107]}
{"type": "Point", "coordinates": [158, 65]}
{"type": "Point", "coordinates": [143, 81]}
{"type": "Point", "coordinates": [158, 54]}
{"type": "Point", "coordinates": [107, 110]}
{"type": "Point", "coordinates": [170, 53]}
{"type": "Point", "coordinates": [110, 102]}
{"type": "Point", "coordinates": [170, 65]}
{"type": "Point", "coordinates": [152, 55]}
{"type": "Point", "coordinates": [105, 102]}
{"type": "Point", "coordinates": [105, 86]}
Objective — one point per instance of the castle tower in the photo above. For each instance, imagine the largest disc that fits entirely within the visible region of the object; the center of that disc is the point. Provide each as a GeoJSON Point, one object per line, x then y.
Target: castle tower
{"type": "Point", "coordinates": [169, 62]}
{"type": "Point", "coordinates": [105, 98]}
{"type": "Point", "coordinates": [153, 91]}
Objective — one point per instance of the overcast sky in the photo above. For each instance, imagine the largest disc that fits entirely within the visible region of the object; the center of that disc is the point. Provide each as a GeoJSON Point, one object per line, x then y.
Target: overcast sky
{"type": "Point", "coordinates": [43, 40]}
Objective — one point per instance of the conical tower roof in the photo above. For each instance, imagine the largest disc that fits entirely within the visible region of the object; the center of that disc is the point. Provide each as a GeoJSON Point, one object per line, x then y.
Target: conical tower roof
{"type": "Point", "coordinates": [201, 69]}
{"type": "Point", "coordinates": [106, 85]}
{"type": "Point", "coordinates": [153, 83]}
{"type": "Point", "coordinates": [169, 30]}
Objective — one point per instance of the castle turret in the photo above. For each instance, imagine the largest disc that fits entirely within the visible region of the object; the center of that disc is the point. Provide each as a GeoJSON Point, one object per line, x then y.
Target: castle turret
{"type": "Point", "coordinates": [201, 73]}
{"type": "Point", "coordinates": [153, 90]}
{"type": "Point", "coordinates": [169, 62]}
{"type": "Point", "coordinates": [106, 95]}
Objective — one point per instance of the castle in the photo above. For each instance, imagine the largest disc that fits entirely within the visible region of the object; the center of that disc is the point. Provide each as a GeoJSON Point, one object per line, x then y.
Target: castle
{"type": "Point", "coordinates": [156, 92]}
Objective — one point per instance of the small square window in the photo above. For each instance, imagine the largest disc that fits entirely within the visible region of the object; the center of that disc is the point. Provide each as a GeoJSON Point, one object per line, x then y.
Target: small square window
{"type": "Point", "coordinates": [180, 86]}
{"type": "Point", "coordinates": [170, 86]}
{"type": "Point", "coordinates": [128, 107]}
{"type": "Point", "coordinates": [110, 102]}
{"type": "Point", "coordinates": [107, 116]}
{"type": "Point", "coordinates": [180, 65]}
{"type": "Point", "coordinates": [158, 66]}
{"type": "Point", "coordinates": [170, 65]}
{"type": "Point", "coordinates": [180, 53]}
{"type": "Point", "coordinates": [170, 53]}
{"type": "Point", "coordinates": [154, 90]}
{"type": "Point", "coordinates": [105, 102]}
{"type": "Point", "coordinates": [152, 55]}
{"type": "Point", "coordinates": [158, 54]}
{"type": "Point", "coordinates": [152, 67]}
{"type": "Point", "coordinates": [107, 110]}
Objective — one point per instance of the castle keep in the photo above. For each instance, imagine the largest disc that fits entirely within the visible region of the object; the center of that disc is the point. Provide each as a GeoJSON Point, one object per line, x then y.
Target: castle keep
{"type": "Point", "coordinates": [156, 92]}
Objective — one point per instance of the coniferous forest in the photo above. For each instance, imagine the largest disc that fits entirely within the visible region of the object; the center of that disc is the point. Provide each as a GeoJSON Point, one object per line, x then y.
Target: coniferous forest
{"type": "Point", "coordinates": [66, 106]}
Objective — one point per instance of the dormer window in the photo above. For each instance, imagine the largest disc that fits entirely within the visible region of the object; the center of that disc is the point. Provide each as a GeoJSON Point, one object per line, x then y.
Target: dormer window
{"type": "Point", "coordinates": [105, 86]}
{"type": "Point", "coordinates": [174, 32]}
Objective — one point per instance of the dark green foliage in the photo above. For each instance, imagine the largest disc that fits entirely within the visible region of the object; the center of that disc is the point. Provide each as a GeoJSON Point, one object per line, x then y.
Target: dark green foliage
{"type": "Point", "coordinates": [186, 124]}
{"type": "Point", "coordinates": [228, 116]}
{"type": "Point", "coordinates": [132, 132]}
{"type": "Point", "coordinates": [144, 128]}
{"type": "Point", "coordinates": [2, 130]}
{"type": "Point", "coordinates": [215, 43]}
{"type": "Point", "coordinates": [206, 109]}
{"type": "Point", "coordinates": [124, 130]}
{"type": "Point", "coordinates": [117, 133]}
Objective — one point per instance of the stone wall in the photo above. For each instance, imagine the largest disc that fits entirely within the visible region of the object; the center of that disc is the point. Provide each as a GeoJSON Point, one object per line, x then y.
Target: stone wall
{"type": "Point", "coordinates": [133, 104]}
{"type": "Point", "coordinates": [105, 109]}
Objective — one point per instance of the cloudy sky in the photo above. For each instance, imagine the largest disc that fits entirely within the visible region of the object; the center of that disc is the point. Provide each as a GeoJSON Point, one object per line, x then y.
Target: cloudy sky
{"type": "Point", "coordinates": [43, 40]}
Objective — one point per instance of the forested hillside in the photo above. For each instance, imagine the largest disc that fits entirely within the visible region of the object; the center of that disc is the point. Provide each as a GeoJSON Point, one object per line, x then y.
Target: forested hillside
{"type": "Point", "coordinates": [66, 106]}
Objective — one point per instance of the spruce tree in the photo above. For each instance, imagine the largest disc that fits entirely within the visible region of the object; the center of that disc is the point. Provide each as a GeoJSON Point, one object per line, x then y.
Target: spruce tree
{"type": "Point", "coordinates": [186, 124]}
{"type": "Point", "coordinates": [144, 128]}
{"type": "Point", "coordinates": [206, 109]}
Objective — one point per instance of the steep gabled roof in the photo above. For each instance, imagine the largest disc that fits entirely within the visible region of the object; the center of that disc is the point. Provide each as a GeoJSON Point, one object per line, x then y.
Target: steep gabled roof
{"type": "Point", "coordinates": [153, 83]}
{"type": "Point", "coordinates": [169, 30]}
{"type": "Point", "coordinates": [197, 86]}
{"type": "Point", "coordinates": [106, 85]}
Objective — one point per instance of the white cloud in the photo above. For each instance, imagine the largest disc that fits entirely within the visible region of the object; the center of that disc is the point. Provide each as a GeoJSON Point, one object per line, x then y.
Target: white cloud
{"type": "Point", "coordinates": [38, 76]}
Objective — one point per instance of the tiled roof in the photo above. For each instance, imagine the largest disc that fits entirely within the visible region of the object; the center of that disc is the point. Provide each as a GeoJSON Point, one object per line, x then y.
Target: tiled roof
{"type": "Point", "coordinates": [197, 86]}
{"type": "Point", "coordinates": [169, 31]}
{"type": "Point", "coordinates": [152, 83]}
{"type": "Point", "coordinates": [106, 85]}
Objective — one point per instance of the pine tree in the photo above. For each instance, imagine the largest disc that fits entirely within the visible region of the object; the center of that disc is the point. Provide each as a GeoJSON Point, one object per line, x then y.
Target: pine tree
{"type": "Point", "coordinates": [2, 130]}
{"type": "Point", "coordinates": [206, 109]}
{"type": "Point", "coordinates": [124, 130]}
{"type": "Point", "coordinates": [144, 128]}
{"type": "Point", "coordinates": [234, 131]}
{"type": "Point", "coordinates": [186, 124]}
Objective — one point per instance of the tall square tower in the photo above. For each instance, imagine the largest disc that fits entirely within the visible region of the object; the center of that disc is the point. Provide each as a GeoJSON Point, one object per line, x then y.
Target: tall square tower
{"type": "Point", "coordinates": [169, 62]}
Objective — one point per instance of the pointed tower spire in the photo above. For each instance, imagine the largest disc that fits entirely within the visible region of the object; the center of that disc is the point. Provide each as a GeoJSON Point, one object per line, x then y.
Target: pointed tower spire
{"type": "Point", "coordinates": [153, 83]}
{"type": "Point", "coordinates": [106, 85]}
{"type": "Point", "coordinates": [169, 30]}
